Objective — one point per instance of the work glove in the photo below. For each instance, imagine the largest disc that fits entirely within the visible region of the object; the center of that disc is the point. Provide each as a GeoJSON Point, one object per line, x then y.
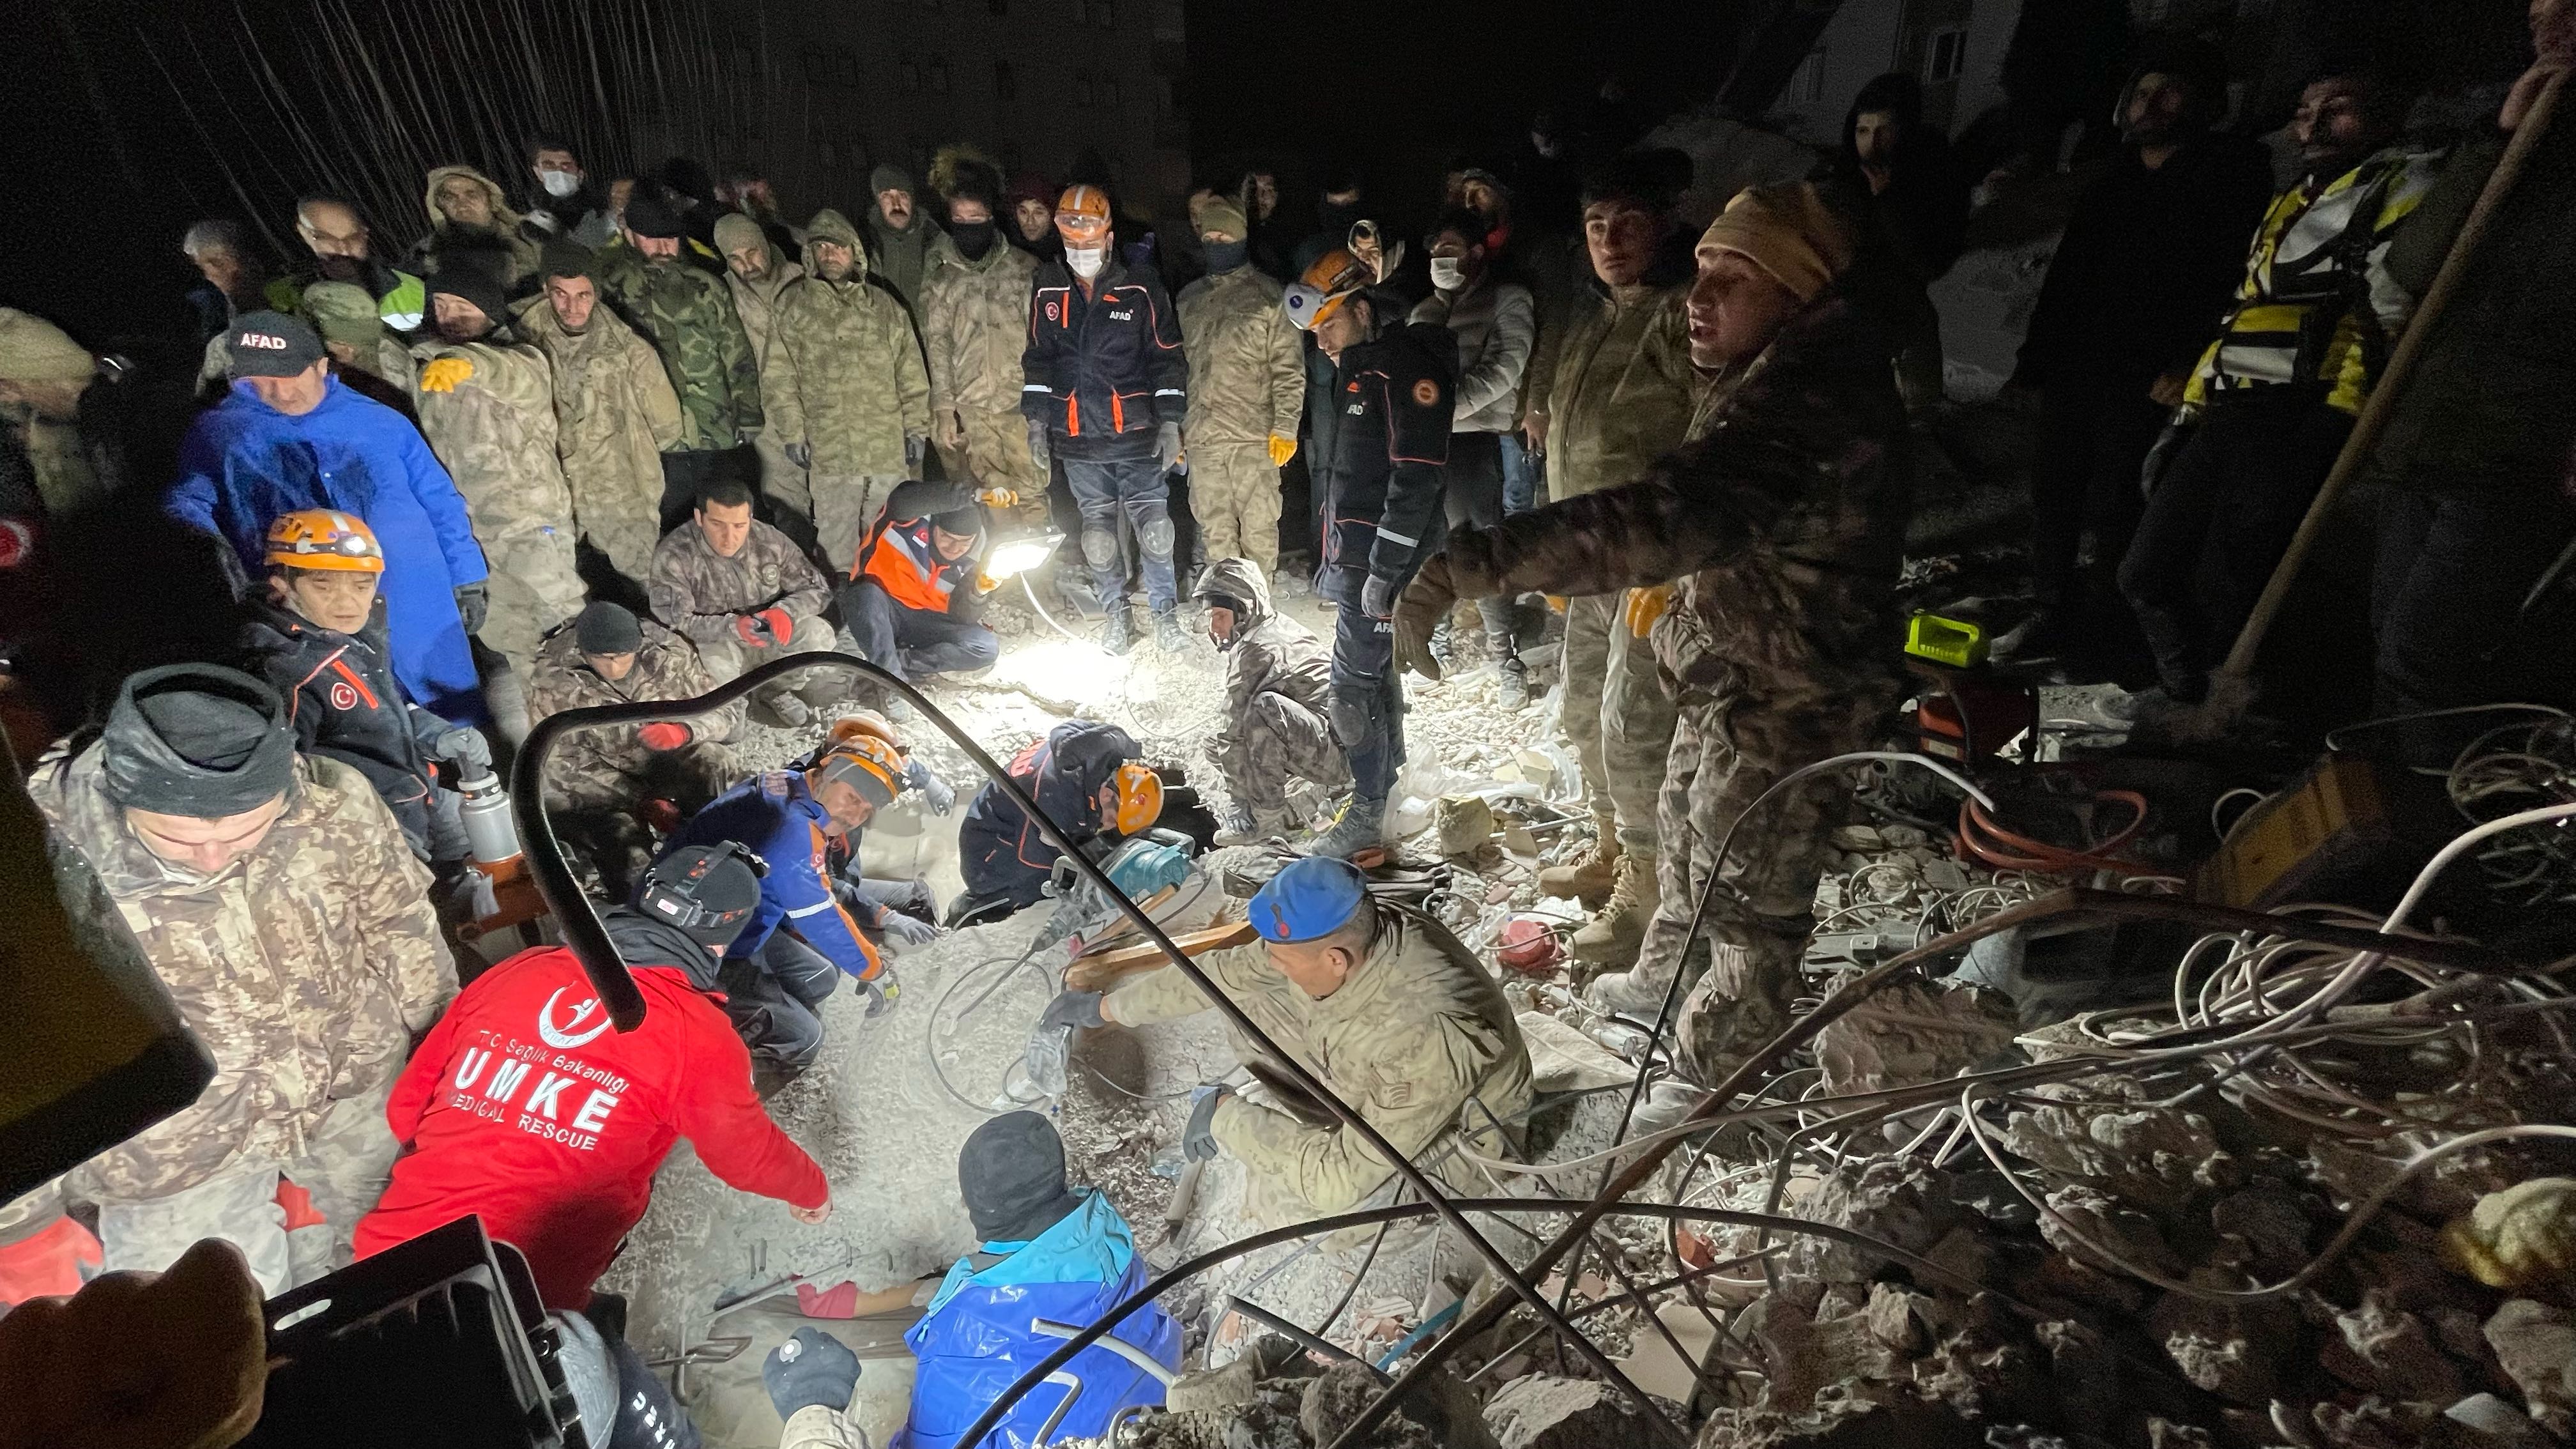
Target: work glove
{"type": "Point", "coordinates": [780, 627]}
{"type": "Point", "coordinates": [1426, 602]}
{"type": "Point", "coordinates": [1645, 606]}
{"type": "Point", "coordinates": [915, 448]}
{"type": "Point", "coordinates": [444, 373]}
{"type": "Point", "coordinates": [1281, 450]}
{"type": "Point", "coordinates": [1167, 445]}
{"type": "Point", "coordinates": [1377, 597]}
{"type": "Point", "coordinates": [473, 604]}
{"type": "Point", "coordinates": [1038, 449]}
{"type": "Point", "coordinates": [746, 627]}
{"type": "Point", "coordinates": [663, 735]}
{"type": "Point", "coordinates": [936, 793]}
{"type": "Point", "coordinates": [999, 497]}
{"type": "Point", "coordinates": [1140, 873]}
{"type": "Point", "coordinates": [907, 929]}
{"type": "Point", "coordinates": [811, 1368]}
{"type": "Point", "coordinates": [1556, 601]}
{"type": "Point", "coordinates": [1077, 1009]}
{"type": "Point", "coordinates": [1198, 1143]}
{"type": "Point", "coordinates": [2167, 447]}
{"type": "Point", "coordinates": [800, 454]}
{"type": "Point", "coordinates": [465, 748]}
{"type": "Point", "coordinates": [949, 427]}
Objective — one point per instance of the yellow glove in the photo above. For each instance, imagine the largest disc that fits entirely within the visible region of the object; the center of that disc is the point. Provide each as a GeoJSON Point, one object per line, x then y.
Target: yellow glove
{"type": "Point", "coordinates": [1555, 601]}
{"type": "Point", "coordinates": [999, 498]}
{"type": "Point", "coordinates": [2521, 1237]}
{"type": "Point", "coordinates": [444, 373]}
{"type": "Point", "coordinates": [1281, 450]}
{"type": "Point", "coordinates": [1645, 606]}
{"type": "Point", "coordinates": [985, 583]}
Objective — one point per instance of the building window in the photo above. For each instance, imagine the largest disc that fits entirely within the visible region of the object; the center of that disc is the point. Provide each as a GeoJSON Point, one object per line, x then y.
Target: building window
{"type": "Point", "coordinates": [1945, 55]}
{"type": "Point", "coordinates": [1006, 82]}
{"type": "Point", "coordinates": [1808, 83]}
{"type": "Point", "coordinates": [935, 75]}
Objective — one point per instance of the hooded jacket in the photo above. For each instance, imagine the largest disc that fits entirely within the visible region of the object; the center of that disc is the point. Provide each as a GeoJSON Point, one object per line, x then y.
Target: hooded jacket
{"type": "Point", "coordinates": [1000, 850]}
{"type": "Point", "coordinates": [615, 411]}
{"type": "Point", "coordinates": [1247, 361]}
{"type": "Point", "coordinates": [524, 1106]}
{"type": "Point", "coordinates": [1271, 653]}
{"type": "Point", "coordinates": [343, 702]}
{"type": "Point", "coordinates": [974, 325]}
{"type": "Point", "coordinates": [1103, 369]}
{"type": "Point", "coordinates": [856, 387]}
{"type": "Point", "coordinates": [502, 251]}
{"type": "Point", "coordinates": [1384, 473]}
{"type": "Point", "coordinates": [756, 303]}
{"type": "Point", "coordinates": [243, 463]}
{"type": "Point", "coordinates": [667, 667]}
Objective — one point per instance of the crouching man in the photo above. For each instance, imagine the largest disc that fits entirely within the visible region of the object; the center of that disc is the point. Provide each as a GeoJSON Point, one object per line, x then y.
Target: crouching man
{"type": "Point", "coordinates": [1089, 778]}
{"type": "Point", "coordinates": [1380, 1002]}
{"type": "Point", "coordinates": [526, 1107]}
{"type": "Point", "coordinates": [919, 583]}
{"type": "Point", "coordinates": [1278, 704]}
{"type": "Point", "coordinates": [746, 596]}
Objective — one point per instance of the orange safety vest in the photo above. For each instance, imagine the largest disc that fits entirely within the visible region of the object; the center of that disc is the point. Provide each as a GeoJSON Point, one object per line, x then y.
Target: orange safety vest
{"type": "Point", "coordinates": [900, 558]}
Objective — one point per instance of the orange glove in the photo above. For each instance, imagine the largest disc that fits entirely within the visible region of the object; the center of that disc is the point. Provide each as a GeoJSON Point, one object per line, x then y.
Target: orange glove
{"type": "Point", "coordinates": [444, 373]}
{"type": "Point", "coordinates": [985, 583]}
{"type": "Point", "coordinates": [663, 735]}
{"type": "Point", "coordinates": [1281, 450]}
{"type": "Point", "coordinates": [1555, 601]}
{"type": "Point", "coordinates": [1645, 606]}
{"type": "Point", "coordinates": [999, 497]}
{"type": "Point", "coordinates": [781, 627]}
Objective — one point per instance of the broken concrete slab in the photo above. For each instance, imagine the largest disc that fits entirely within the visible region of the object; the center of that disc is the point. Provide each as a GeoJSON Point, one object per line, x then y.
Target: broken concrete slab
{"type": "Point", "coordinates": [2535, 1343]}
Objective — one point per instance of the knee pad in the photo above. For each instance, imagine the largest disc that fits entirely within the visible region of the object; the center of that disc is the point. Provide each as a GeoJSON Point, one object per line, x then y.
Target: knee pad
{"type": "Point", "coordinates": [1155, 538]}
{"type": "Point", "coordinates": [1099, 547]}
{"type": "Point", "coordinates": [1355, 710]}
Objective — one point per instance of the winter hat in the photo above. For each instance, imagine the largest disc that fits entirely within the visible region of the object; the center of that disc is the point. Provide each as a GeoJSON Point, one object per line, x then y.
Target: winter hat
{"type": "Point", "coordinates": [889, 177]}
{"type": "Point", "coordinates": [269, 344]}
{"type": "Point", "coordinates": [830, 226]}
{"type": "Point", "coordinates": [1012, 1174]}
{"type": "Point", "coordinates": [1029, 186]}
{"type": "Point", "coordinates": [198, 740]}
{"type": "Point", "coordinates": [463, 279]}
{"type": "Point", "coordinates": [734, 231]}
{"type": "Point", "coordinates": [687, 176]}
{"type": "Point", "coordinates": [606, 628]}
{"type": "Point", "coordinates": [973, 180]}
{"type": "Point", "coordinates": [344, 312]}
{"type": "Point", "coordinates": [650, 216]}
{"type": "Point", "coordinates": [35, 350]}
{"type": "Point", "coordinates": [564, 259]}
{"type": "Point", "coordinates": [964, 522]}
{"type": "Point", "coordinates": [1307, 900]}
{"type": "Point", "coordinates": [1220, 213]}
{"type": "Point", "coordinates": [1788, 231]}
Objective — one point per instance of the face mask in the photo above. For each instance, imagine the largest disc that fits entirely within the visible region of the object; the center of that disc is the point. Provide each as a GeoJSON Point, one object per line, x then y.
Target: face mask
{"type": "Point", "coordinates": [560, 184]}
{"type": "Point", "coordinates": [974, 238]}
{"type": "Point", "coordinates": [1226, 256]}
{"type": "Point", "coordinates": [1086, 261]}
{"type": "Point", "coordinates": [1447, 274]}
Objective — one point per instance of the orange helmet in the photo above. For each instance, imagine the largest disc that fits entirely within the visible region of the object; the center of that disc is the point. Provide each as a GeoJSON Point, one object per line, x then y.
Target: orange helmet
{"type": "Point", "coordinates": [324, 538]}
{"type": "Point", "coordinates": [866, 764]}
{"type": "Point", "coordinates": [1140, 797]}
{"type": "Point", "coordinates": [1082, 213]}
{"type": "Point", "coordinates": [1335, 278]}
{"type": "Point", "coordinates": [864, 724]}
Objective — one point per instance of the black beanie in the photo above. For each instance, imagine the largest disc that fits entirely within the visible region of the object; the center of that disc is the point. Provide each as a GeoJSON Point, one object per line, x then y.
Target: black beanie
{"type": "Point", "coordinates": [606, 628]}
{"type": "Point", "coordinates": [196, 740]}
{"type": "Point", "coordinates": [463, 278]}
{"type": "Point", "coordinates": [650, 216]}
{"type": "Point", "coordinates": [1012, 1174]}
{"type": "Point", "coordinates": [964, 522]}
{"type": "Point", "coordinates": [565, 259]}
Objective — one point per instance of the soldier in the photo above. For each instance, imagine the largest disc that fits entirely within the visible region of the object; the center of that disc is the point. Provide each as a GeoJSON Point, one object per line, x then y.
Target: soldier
{"type": "Point", "coordinates": [471, 224]}
{"type": "Point", "coordinates": [856, 411]}
{"type": "Point", "coordinates": [1247, 390]}
{"type": "Point", "coordinates": [1380, 1002]}
{"type": "Point", "coordinates": [1278, 704]}
{"type": "Point", "coordinates": [899, 233]}
{"type": "Point", "coordinates": [43, 375]}
{"type": "Point", "coordinates": [353, 332]}
{"type": "Point", "coordinates": [614, 412]}
{"type": "Point", "coordinates": [608, 783]}
{"type": "Point", "coordinates": [745, 596]}
{"type": "Point", "coordinates": [1784, 519]}
{"type": "Point", "coordinates": [272, 894]}
{"type": "Point", "coordinates": [974, 324]}
{"type": "Point", "coordinates": [756, 273]}
{"type": "Point", "coordinates": [487, 406]}
{"type": "Point", "coordinates": [689, 319]}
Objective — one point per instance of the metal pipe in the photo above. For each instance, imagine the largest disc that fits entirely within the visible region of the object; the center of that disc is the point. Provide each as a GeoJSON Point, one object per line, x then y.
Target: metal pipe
{"type": "Point", "coordinates": [1316, 1342]}
{"type": "Point", "coordinates": [1111, 1342]}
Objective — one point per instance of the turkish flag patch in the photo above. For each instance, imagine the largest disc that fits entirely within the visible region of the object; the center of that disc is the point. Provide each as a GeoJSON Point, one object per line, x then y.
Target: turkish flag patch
{"type": "Point", "coordinates": [342, 696]}
{"type": "Point", "coordinates": [1426, 393]}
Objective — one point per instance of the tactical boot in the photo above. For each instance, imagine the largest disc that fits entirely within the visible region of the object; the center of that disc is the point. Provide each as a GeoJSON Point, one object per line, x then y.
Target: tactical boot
{"type": "Point", "coordinates": [1118, 630]}
{"type": "Point", "coordinates": [1167, 632]}
{"type": "Point", "coordinates": [1612, 936]}
{"type": "Point", "coordinates": [1360, 826]}
{"type": "Point", "coordinates": [1511, 688]}
{"type": "Point", "coordinates": [1628, 993]}
{"type": "Point", "coordinates": [1589, 877]}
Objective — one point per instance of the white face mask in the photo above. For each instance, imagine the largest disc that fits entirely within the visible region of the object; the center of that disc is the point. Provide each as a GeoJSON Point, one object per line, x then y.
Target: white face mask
{"type": "Point", "coordinates": [560, 183]}
{"type": "Point", "coordinates": [1447, 274]}
{"type": "Point", "coordinates": [1085, 261]}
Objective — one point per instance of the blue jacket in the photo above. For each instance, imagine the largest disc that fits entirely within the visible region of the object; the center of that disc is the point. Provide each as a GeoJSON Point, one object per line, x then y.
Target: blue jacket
{"type": "Point", "coordinates": [244, 463]}
{"type": "Point", "coordinates": [1000, 851]}
{"type": "Point", "coordinates": [776, 815]}
{"type": "Point", "coordinates": [977, 1337]}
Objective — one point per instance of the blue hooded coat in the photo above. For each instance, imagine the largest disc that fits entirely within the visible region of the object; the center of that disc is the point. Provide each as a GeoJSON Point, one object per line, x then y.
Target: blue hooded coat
{"type": "Point", "coordinates": [244, 463]}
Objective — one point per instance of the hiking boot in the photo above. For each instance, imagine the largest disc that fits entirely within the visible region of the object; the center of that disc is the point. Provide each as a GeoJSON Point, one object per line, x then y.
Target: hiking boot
{"type": "Point", "coordinates": [1118, 630]}
{"type": "Point", "coordinates": [1360, 826]}
{"type": "Point", "coordinates": [791, 712]}
{"type": "Point", "coordinates": [1511, 688]}
{"type": "Point", "coordinates": [1239, 826]}
{"type": "Point", "coordinates": [1588, 877]}
{"type": "Point", "coordinates": [1628, 994]}
{"type": "Point", "coordinates": [1167, 632]}
{"type": "Point", "coordinates": [1613, 936]}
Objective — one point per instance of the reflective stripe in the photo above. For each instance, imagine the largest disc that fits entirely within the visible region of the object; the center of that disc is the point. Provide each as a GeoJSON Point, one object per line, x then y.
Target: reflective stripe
{"type": "Point", "coordinates": [815, 909]}
{"type": "Point", "coordinates": [1392, 536]}
{"type": "Point", "coordinates": [1167, 392]}
{"type": "Point", "coordinates": [1035, 387]}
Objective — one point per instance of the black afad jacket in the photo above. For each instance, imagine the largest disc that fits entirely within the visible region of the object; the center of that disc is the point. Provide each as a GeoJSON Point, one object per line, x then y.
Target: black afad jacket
{"type": "Point", "coordinates": [1105, 365]}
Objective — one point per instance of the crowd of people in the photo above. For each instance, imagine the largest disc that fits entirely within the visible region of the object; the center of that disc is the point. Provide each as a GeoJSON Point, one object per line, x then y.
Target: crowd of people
{"type": "Point", "coordinates": [626, 442]}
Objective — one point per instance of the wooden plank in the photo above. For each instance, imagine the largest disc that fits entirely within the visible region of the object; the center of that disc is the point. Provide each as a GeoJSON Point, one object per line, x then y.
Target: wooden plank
{"type": "Point", "coordinates": [1100, 970]}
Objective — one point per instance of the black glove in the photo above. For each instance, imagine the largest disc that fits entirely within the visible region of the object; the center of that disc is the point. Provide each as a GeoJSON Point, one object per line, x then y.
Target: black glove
{"type": "Point", "coordinates": [1073, 1008]}
{"type": "Point", "coordinates": [1198, 1143]}
{"type": "Point", "coordinates": [915, 448]}
{"type": "Point", "coordinates": [1039, 448]}
{"type": "Point", "coordinates": [800, 454]}
{"type": "Point", "coordinates": [809, 1369]}
{"type": "Point", "coordinates": [908, 929]}
{"type": "Point", "coordinates": [473, 602]}
{"type": "Point", "coordinates": [1377, 597]}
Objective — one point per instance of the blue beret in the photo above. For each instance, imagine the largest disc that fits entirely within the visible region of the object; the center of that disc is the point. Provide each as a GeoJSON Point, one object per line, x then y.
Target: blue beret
{"type": "Point", "coordinates": [1308, 900]}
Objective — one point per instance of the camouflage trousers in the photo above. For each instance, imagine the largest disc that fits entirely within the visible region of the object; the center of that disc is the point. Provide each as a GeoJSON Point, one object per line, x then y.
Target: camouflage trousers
{"type": "Point", "coordinates": [1618, 715]}
{"type": "Point", "coordinates": [844, 505]}
{"type": "Point", "coordinates": [1234, 495]}
{"type": "Point", "coordinates": [533, 587]}
{"type": "Point", "coordinates": [345, 1165]}
{"type": "Point", "coordinates": [597, 811]}
{"type": "Point", "coordinates": [1276, 741]}
{"type": "Point", "coordinates": [623, 527]}
{"type": "Point", "coordinates": [995, 453]}
{"type": "Point", "coordinates": [728, 660]}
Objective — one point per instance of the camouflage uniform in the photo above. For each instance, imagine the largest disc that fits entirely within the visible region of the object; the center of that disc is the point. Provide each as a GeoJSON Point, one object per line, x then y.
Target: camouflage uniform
{"type": "Point", "coordinates": [495, 431]}
{"type": "Point", "coordinates": [689, 318]}
{"type": "Point", "coordinates": [1417, 1031]}
{"type": "Point", "coordinates": [756, 303]}
{"type": "Point", "coordinates": [304, 970]}
{"type": "Point", "coordinates": [1247, 385]}
{"type": "Point", "coordinates": [500, 250]}
{"type": "Point", "coordinates": [702, 594]}
{"type": "Point", "coordinates": [614, 413]}
{"type": "Point", "coordinates": [1278, 700]}
{"type": "Point", "coordinates": [1785, 520]}
{"type": "Point", "coordinates": [45, 374]}
{"type": "Point", "coordinates": [859, 389]}
{"type": "Point", "coordinates": [974, 324]}
{"type": "Point", "coordinates": [598, 777]}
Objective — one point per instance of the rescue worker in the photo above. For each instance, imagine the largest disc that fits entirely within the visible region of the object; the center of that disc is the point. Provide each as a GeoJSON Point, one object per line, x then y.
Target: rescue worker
{"type": "Point", "coordinates": [486, 402]}
{"type": "Point", "coordinates": [1278, 704]}
{"type": "Point", "coordinates": [274, 897]}
{"type": "Point", "coordinates": [607, 784]}
{"type": "Point", "coordinates": [288, 436]}
{"type": "Point", "coordinates": [1089, 778]}
{"type": "Point", "coordinates": [318, 637]}
{"type": "Point", "coordinates": [1105, 385]}
{"type": "Point", "coordinates": [801, 938]}
{"type": "Point", "coordinates": [614, 412]}
{"type": "Point", "coordinates": [745, 596]}
{"type": "Point", "coordinates": [757, 273]}
{"type": "Point", "coordinates": [1396, 385]}
{"type": "Point", "coordinates": [1784, 520]}
{"type": "Point", "coordinates": [1494, 321]}
{"type": "Point", "coordinates": [855, 409]}
{"type": "Point", "coordinates": [46, 455]}
{"type": "Point", "coordinates": [1247, 391]}
{"type": "Point", "coordinates": [899, 234]}
{"type": "Point", "coordinates": [1619, 397]}
{"type": "Point", "coordinates": [524, 1108]}
{"type": "Point", "coordinates": [1381, 1003]}
{"type": "Point", "coordinates": [919, 583]}
{"type": "Point", "coordinates": [344, 251]}
{"type": "Point", "coordinates": [974, 325]}
{"type": "Point", "coordinates": [471, 224]}
{"type": "Point", "coordinates": [689, 318]}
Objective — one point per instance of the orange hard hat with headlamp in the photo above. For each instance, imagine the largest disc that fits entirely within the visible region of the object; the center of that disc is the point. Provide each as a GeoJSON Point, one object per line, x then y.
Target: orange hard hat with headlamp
{"type": "Point", "coordinates": [324, 538]}
{"type": "Point", "coordinates": [1140, 797]}
{"type": "Point", "coordinates": [867, 765]}
{"type": "Point", "coordinates": [1333, 279]}
{"type": "Point", "coordinates": [1082, 213]}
